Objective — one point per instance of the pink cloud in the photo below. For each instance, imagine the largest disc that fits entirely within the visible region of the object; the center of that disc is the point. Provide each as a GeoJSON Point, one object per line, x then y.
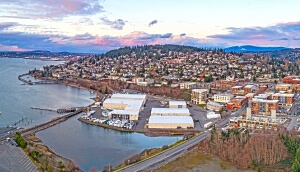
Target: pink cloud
{"type": "Point", "coordinates": [11, 48]}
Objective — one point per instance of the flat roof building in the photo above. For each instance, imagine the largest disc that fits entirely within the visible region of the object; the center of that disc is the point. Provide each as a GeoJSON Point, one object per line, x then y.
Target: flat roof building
{"type": "Point", "coordinates": [170, 112]}
{"type": "Point", "coordinates": [170, 122]}
{"type": "Point", "coordinates": [125, 114]}
{"type": "Point", "coordinates": [177, 104]}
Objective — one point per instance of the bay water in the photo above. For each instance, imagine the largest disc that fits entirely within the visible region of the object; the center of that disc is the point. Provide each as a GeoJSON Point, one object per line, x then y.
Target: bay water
{"type": "Point", "coordinates": [87, 145]}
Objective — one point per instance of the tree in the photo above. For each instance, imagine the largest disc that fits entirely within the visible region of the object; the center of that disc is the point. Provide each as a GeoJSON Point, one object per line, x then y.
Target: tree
{"type": "Point", "coordinates": [254, 78]}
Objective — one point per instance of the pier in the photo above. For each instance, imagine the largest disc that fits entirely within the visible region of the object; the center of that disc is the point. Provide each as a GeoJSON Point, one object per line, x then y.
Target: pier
{"type": "Point", "coordinates": [47, 109]}
{"type": "Point", "coordinates": [53, 122]}
{"type": "Point", "coordinates": [21, 120]}
{"type": "Point", "coordinates": [67, 110]}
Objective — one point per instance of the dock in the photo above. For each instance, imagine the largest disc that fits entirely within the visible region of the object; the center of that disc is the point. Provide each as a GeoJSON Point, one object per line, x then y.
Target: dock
{"type": "Point", "coordinates": [38, 108]}
{"type": "Point", "coordinates": [53, 122]}
{"type": "Point", "coordinates": [66, 110]}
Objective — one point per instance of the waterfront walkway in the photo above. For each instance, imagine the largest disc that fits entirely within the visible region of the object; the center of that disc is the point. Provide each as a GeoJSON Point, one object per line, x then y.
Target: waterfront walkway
{"type": "Point", "coordinates": [13, 159]}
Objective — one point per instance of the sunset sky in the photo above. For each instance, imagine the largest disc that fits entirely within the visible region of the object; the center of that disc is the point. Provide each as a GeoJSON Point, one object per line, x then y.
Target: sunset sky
{"type": "Point", "coordinates": [96, 26]}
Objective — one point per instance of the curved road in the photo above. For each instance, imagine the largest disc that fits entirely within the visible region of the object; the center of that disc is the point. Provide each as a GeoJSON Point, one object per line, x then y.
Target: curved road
{"type": "Point", "coordinates": [176, 151]}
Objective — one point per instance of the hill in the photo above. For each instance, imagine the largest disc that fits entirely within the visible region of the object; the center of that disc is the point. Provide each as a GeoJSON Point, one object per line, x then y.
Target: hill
{"type": "Point", "coordinates": [250, 48]}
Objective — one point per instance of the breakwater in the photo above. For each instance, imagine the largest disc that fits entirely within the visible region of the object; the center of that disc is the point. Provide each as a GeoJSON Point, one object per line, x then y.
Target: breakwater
{"type": "Point", "coordinates": [37, 82]}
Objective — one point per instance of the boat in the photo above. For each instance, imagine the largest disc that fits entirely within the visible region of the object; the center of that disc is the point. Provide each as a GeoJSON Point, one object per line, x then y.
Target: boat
{"type": "Point", "coordinates": [0, 113]}
{"type": "Point", "coordinates": [105, 112]}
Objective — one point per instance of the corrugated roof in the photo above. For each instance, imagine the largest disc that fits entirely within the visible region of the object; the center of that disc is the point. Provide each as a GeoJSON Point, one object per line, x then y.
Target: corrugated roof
{"type": "Point", "coordinates": [125, 112]}
{"type": "Point", "coordinates": [129, 96]}
{"type": "Point", "coordinates": [171, 120]}
{"type": "Point", "coordinates": [177, 103]}
{"type": "Point", "coordinates": [176, 111]}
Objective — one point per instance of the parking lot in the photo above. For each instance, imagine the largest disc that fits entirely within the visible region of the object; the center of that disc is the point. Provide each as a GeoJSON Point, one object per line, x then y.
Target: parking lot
{"type": "Point", "coordinates": [13, 159]}
{"type": "Point", "coordinates": [198, 114]}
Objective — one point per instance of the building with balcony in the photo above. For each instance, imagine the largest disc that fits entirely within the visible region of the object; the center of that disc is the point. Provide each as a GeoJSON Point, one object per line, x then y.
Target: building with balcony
{"type": "Point", "coordinates": [199, 96]}
{"type": "Point", "coordinates": [223, 98]}
{"type": "Point", "coordinates": [262, 106]}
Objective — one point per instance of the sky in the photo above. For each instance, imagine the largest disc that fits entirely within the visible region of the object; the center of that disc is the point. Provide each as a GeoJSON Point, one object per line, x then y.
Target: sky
{"type": "Point", "coordinates": [97, 26]}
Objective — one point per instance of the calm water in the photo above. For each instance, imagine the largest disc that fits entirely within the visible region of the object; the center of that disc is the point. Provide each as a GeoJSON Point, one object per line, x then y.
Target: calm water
{"type": "Point", "coordinates": [88, 146]}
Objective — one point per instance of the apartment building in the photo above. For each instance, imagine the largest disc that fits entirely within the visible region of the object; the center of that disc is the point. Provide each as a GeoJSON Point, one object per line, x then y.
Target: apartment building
{"type": "Point", "coordinates": [249, 89]}
{"type": "Point", "coordinates": [187, 85]}
{"type": "Point", "coordinates": [223, 98]}
{"type": "Point", "coordinates": [237, 90]}
{"type": "Point", "coordinates": [283, 87]}
{"type": "Point", "coordinates": [263, 106]}
{"type": "Point", "coordinates": [199, 96]}
{"type": "Point", "coordinates": [284, 99]}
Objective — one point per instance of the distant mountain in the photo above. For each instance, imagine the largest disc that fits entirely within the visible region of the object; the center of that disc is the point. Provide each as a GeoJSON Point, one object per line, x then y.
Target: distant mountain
{"type": "Point", "coordinates": [250, 48]}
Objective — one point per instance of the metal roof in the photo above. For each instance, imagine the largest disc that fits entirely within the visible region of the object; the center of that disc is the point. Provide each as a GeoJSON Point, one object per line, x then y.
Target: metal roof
{"type": "Point", "coordinates": [171, 120]}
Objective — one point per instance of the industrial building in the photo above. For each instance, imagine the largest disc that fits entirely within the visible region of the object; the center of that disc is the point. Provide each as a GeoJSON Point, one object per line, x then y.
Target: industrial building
{"type": "Point", "coordinates": [170, 112]}
{"type": "Point", "coordinates": [177, 104]}
{"type": "Point", "coordinates": [129, 97]}
{"type": "Point", "coordinates": [199, 96]}
{"type": "Point", "coordinates": [124, 114]}
{"type": "Point", "coordinates": [126, 106]}
{"type": "Point", "coordinates": [171, 122]}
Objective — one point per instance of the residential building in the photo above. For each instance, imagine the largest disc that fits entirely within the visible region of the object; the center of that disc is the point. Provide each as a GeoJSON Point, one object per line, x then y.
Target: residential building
{"type": "Point", "coordinates": [237, 90]}
{"type": "Point", "coordinates": [284, 99]}
{"type": "Point", "coordinates": [223, 98]}
{"type": "Point", "coordinates": [249, 89]}
{"type": "Point", "coordinates": [187, 85]}
{"type": "Point", "coordinates": [199, 96]}
{"type": "Point", "coordinates": [262, 106]}
{"type": "Point", "coordinates": [283, 87]}
{"type": "Point", "coordinates": [214, 106]}
{"type": "Point", "coordinates": [237, 102]}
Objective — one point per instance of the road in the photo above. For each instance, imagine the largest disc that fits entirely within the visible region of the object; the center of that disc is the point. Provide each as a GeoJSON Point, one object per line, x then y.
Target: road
{"type": "Point", "coordinates": [161, 158]}
{"type": "Point", "coordinates": [176, 151]}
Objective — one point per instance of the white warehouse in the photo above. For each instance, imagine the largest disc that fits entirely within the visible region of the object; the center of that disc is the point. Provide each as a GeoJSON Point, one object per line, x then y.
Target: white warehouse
{"type": "Point", "coordinates": [170, 112]}
{"type": "Point", "coordinates": [177, 104]}
{"type": "Point", "coordinates": [170, 122]}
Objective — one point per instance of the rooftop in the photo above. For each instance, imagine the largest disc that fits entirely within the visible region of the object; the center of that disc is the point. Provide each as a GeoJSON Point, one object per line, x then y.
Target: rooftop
{"type": "Point", "coordinates": [171, 119]}
{"type": "Point", "coordinates": [128, 96]}
{"type": "Point", "coordinates": [131, 104]}
{"type": "Point", "coordinates": [170, 110]}
{"type": "Point", "coordinates": [125, 112]}
{"type": "Point", "coordinates": [177, 103]}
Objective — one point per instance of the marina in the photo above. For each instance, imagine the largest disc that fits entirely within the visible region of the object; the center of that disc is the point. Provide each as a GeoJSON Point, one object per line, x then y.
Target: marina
{"type": "Point", "coordinates": [103, 143]}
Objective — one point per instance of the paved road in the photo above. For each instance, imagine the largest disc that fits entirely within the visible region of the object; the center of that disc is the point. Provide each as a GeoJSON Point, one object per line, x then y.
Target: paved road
{"type": "Point", "coordinates": [161, 158]}
{"type": "Point", "coordinates": [177, 151]}
{"type": "Point", "coordinates": [13, 159]}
